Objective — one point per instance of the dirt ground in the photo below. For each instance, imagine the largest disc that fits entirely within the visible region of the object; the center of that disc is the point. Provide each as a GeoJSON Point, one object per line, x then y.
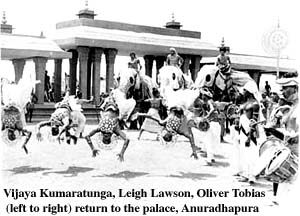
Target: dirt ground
{"type": "Point", "coordinates": [148, 164]}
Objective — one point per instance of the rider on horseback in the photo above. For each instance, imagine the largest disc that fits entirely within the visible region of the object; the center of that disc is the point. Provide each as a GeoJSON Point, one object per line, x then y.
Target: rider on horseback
{"type": "Point", "coordinates": [173, 59]}
{"type": "Point", "coordinates": [223, 61]}
{"type": "Point", "coordinates": [134, 62]}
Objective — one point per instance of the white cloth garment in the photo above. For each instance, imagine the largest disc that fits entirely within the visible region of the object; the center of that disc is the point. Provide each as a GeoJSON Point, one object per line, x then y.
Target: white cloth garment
{"type": "Point", "coordinates": [212, 139]}
{"type": "Point", "coordinates": [236, 159]}
{"type": "Point", "coordinates": [249, 154]}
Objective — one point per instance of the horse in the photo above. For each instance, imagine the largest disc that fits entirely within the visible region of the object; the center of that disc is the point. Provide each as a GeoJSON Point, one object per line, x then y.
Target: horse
{"type": "Point", "coordinates": [133, 89]}
{"type": "Point", "coordinates": [176, 87]}
{"type": "Point", "coordinates": [210, 76]}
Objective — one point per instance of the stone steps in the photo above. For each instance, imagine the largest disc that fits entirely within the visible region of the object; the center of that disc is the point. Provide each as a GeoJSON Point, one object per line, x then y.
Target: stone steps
{"type": "Point", "coordinates": [42, 112]}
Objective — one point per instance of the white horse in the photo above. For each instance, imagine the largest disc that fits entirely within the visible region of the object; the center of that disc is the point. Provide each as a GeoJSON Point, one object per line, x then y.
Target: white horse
{"type": "Point", "coordinates": [127, 79]}
{"type": "Point", "coordinates": [209, 76]}
{"type": "Point", "coordinates": [175, 87]}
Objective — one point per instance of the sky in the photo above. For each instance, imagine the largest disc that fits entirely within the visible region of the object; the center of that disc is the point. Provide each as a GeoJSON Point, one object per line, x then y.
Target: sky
{"type": "Point", "coordinates": [242, 23]}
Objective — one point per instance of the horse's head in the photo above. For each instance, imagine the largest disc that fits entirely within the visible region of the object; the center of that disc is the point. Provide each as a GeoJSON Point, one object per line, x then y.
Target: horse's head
{"type": "Point", "coordinates": [170, 76]}
{"type": "Point", "coordinates": [206, 76]}
{"type": "Point", "coordinates": [127, 79]}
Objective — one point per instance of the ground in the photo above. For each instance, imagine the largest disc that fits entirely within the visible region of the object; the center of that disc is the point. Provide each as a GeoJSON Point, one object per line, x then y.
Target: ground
{"type": "Point", "coordinates": [148, 164]}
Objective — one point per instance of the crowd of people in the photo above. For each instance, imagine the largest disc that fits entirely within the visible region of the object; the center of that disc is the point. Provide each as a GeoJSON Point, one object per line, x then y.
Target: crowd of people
{"type": "Point", "coordinates": [257, 117]}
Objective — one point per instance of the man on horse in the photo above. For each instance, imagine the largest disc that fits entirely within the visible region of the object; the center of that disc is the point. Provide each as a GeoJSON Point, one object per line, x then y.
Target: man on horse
{"type": "Point", "coordinates": [134, 62]}
{"type": "Point", "coordinates": [173, 59]}
{"type": "Point", "coordinates": [109, 124]}
{"type": "Point", "coordinates": [223, 61]}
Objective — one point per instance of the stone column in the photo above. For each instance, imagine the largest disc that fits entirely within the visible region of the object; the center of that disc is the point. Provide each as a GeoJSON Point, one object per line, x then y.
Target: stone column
{"type": "Point", "coordinates": [148, 64]}
{"type": "Point", "coordinates": [73, 72]}
{"type": "Point", "coordinates": [96, 58]}
{"type": "Point", "coordinates": [83, 56]}
{"type": "Point", "coordinates": [160, 60]}
{"type": "Point", "coordinates": [195, 66]}
{"type": "Point", "coordinates": [110, 56]}
{"type": "Point", "coordinates": [19, 68]}
{"type": "Point", "coordinates": [89, 75]}
{"type": "Point", "coordinates": [57, 79]}
{"type": "Point", "coordinates": [186, 63]}
{"type": "Point", "coordinates": [40, 67]}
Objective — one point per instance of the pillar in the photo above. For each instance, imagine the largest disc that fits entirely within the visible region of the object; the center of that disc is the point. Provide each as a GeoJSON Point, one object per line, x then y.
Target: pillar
{"type": "Point", "coordinates": [83, 56]}
{"type": "Point", "coordinates": [160, 61]}
{"type": "Point", "coordinates": [19, 68]}
{"type": "Point", "coordinates": [73, 72]}
{"type": "Point", "coordinates": [40, 67]}
{"type": "Point", "coordinates": [110, 56]}
{"type": "Point", "coordinates": [96, 59]}
{"type": "Point", "coordinates": [57, 79]}
{"type": "Point", "coordinates": [148, 64]}
{"type": "Point", "coordinates": [195, 66]}
{"type": "Point", "coordinates": [186, 63]}
{"type": "Point", "coordinates": [89, 74]}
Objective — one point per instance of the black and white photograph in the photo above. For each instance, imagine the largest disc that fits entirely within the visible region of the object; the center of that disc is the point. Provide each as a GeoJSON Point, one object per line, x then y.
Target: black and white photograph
{"type": "Point", "coordinates": [148, 107]}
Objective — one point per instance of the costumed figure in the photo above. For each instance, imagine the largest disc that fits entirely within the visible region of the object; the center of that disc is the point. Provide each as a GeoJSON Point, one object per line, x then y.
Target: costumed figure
{"type": "Point", "coordinates": [173, 59]}
{"type": "Point", "coordinates": [171, 74]}
{"type": "Point", "coordinates": [283, 165]}
{"type": "Point", "coordinates": [175, 123]}
{"type": "Point", "coordinates": [150, 125]}
{"type": "Point", "coordinates": [67, 115]}
{"type": "Point", "coordinates": [223, 61]}
{"type": "Point", "coordinates": [14, 100]}
{"type": "Point", "coordinates": [206, 120]}
{"type": "Point", "coordinates": [108, 126]}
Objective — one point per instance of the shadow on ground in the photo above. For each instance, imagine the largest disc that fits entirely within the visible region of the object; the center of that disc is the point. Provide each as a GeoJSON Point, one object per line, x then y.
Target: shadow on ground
{"type": "Point", "coordinates": [221, 164]}
{"type": "Point", "coordinates": [193, 176]}
{"type": "Point", "coordinates": [72, 171]}
{"type": "Point", "coordinates": [27, 169]}
{"type": "Point", "coordinates": [124, 174]}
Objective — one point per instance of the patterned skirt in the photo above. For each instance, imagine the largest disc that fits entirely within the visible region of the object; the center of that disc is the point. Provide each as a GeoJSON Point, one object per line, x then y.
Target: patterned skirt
{"type": "Point", "coordinates": [151, 125]}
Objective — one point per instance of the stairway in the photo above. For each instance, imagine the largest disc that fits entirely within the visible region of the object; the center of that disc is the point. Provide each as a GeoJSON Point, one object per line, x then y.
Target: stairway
{"type": "Point", "coordinates": [42, 112]}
